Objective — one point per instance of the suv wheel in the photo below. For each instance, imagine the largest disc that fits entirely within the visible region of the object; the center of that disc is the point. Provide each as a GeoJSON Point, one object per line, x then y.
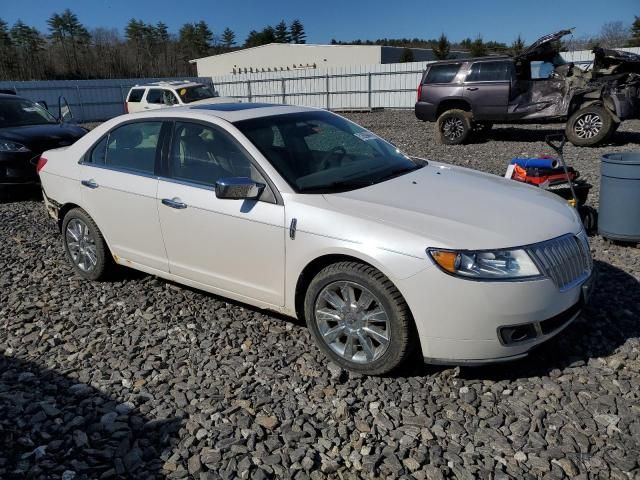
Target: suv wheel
{"type": "Point", "coordinates": [359, 319]}
{"type": "Point", "coordinates": [454, 127]}
{"type": "Point", "coordinates": [589, 126]}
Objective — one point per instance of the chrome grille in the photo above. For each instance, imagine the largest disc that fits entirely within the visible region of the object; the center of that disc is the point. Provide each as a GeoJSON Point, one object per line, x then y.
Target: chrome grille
{"type": "Point", "coordinates": [565, 260]}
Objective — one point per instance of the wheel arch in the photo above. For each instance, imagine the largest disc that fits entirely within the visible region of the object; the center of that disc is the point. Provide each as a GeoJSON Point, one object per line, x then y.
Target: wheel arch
{"type": "Point", "coordinates": [66, 208]}
{"type": "Point", "coordinates": [62, 212]}
{"type": "Point", "coordinates": [313, 267]}
{"type": "Point", "coordinates": [453, 104]}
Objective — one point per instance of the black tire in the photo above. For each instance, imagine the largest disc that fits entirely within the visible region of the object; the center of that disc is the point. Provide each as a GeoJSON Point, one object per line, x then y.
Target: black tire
{"type": "Point", "coordinates": [400, 329]}
{"type": "Point", "coordinates": [103, 259]}
{"type": "Point", "coordinates": [589, 126]}
{"type": "Point", "coordinates": [589, 217]}
{"type": "Point", "coordinates": [454, 127]}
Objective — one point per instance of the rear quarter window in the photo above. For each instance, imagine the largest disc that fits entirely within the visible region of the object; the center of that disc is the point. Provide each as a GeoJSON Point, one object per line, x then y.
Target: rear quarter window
{"type": "Point", "coordinates": [135, 95]}
{"type": "Point", "coordinates": [490, 72]}
{"type": "Point", "coordinates": [442, 73]}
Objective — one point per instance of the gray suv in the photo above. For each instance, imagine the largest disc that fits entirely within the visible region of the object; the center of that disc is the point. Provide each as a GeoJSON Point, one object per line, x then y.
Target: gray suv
{"type": "Point", "coordinates": [468, 95]}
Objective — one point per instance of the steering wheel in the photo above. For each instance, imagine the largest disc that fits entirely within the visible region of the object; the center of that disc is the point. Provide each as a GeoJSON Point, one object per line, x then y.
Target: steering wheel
{"type": "Point", "coordinates": [325, 162]}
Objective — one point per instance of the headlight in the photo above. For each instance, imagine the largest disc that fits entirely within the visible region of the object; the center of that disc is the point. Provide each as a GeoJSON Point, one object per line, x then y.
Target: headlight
{"type": "Point", "coordinates": [13, 147]}
{"type": "Point", "coordinates": [488, 265]}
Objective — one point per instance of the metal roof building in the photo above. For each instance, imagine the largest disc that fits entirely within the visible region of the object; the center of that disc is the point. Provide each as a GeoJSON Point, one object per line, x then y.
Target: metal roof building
{"type": "Point", "coordinates": [275, 57]}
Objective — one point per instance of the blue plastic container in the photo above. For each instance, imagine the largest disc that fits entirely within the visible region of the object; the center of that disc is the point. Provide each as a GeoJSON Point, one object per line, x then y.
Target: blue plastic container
{"type": "Point", "coordinates": [619, 212]}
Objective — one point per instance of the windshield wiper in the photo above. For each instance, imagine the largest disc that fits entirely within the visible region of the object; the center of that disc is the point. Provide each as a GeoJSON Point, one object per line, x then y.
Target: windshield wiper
{"type": "Point", "coordinates": [396, 173]}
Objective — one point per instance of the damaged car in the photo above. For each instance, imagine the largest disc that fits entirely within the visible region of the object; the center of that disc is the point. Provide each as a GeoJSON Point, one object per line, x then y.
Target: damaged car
{"type": "Point", "coordinates": [466, 96]}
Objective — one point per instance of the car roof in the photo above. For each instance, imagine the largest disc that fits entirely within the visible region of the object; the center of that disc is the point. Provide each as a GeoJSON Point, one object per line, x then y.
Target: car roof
{"type": "Point", "coordinates": [472, 59]}
{"type": "Point", "coordinates": [231, 112]}
{"type": "Point", "coordinates": [170, 84]}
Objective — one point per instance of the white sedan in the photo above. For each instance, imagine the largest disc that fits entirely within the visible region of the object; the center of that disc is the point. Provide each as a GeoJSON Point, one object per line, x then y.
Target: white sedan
{"type": "Point", "coordinates": [303, 212]}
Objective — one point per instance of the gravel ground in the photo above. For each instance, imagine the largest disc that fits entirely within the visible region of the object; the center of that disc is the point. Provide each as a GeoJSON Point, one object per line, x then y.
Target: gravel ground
{"type": "Point", "coordinates": [141, 378]}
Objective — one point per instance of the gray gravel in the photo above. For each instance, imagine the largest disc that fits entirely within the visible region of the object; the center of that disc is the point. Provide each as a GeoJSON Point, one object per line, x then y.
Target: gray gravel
{"type": "Point", "coordinates": [142, 378]}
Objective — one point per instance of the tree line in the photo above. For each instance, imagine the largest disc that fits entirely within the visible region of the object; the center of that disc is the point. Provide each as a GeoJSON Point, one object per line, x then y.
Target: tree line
{"type": "Point", "coordinates": [612, 35]}
{"type": "Point", "coordinates": [68, 50]}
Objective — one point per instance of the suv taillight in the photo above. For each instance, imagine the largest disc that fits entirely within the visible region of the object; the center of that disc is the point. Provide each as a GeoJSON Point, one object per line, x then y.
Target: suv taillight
{"type": "Point", "coordinates": [126, 107]}
{"type": "Point", "coordinates": [41, 163]}
{"type": "Point", "coordinates": [419, 92]}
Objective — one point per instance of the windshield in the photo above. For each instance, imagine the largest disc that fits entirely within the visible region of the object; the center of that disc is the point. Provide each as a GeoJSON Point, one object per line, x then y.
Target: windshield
{"type": "Point", "coordinates": [192, 94]}
{"type": "Point", "coordinates": [17, 112]}
{"type": "Point", "coordinates": [319, 152]}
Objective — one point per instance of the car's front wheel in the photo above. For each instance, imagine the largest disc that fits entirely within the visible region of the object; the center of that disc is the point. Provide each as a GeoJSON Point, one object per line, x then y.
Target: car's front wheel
{"type": "Point", "coordinates": [454, 127]}
{"type": "Point", "coordinates": [84, 245]}
{"type": "Point", "coordinates": [359, 319]}
{"type": "Point", "coordinates": [589, 126]}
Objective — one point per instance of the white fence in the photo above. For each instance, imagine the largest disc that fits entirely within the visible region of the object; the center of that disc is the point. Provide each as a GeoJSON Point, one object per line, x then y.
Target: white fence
{"type": "Point", "coordinates": [357, 87]}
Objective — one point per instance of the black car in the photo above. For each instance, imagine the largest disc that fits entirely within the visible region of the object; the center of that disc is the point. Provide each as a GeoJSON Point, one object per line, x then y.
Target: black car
{"type": "Point", "coordinates": [26, 130]}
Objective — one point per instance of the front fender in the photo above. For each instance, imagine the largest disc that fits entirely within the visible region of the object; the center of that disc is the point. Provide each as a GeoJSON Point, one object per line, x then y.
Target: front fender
{"type": "Point", "coordinates": [307, 248]}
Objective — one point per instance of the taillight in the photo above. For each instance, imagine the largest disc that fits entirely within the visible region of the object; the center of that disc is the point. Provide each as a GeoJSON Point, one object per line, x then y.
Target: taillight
{"type": "Point", "coordinates": [41, 163]}
{"type": "Point", "coordinates": [126, 107]}
{"type": "Point", "coordinates": [419, 92]}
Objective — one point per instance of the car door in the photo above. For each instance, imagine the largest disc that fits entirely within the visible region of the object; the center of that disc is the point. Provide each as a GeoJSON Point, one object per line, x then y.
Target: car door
{"type": "Point", "coordinates": [487, 86]}
{"type": "Point", "coordinates": [154, 99]}
{"type": "Point", "coordinates": [234, 246]}
{"type": "Point", "coordinates": [120, 185]}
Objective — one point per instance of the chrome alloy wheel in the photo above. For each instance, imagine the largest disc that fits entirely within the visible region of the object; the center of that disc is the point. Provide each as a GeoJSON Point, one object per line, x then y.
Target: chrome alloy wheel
{"type": "Point", "coordinates": [352, 322]}
{"type": "Point", "coordinates": [452, 128]}
{"type": "Point", "coordinates": [81, 246]}
{"type": "Point", "coordinates": [588, 125]}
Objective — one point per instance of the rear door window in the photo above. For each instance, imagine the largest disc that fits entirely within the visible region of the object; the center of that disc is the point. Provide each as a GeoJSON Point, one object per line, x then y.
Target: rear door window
{"type": "Point", "coordinates": [135, 95]}
{"type": "Point", "coordinates": [442, 73]}
{"type": "Point", "coordinates": [131, 147]}
{"type": "Point", "coordinates": [490, 72]}
{"type": "Point", "coordinates": [154, 95]}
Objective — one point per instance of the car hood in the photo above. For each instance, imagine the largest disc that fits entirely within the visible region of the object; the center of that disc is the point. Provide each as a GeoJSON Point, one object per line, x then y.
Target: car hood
{"type": "Point", "coordinates": [545, 48]}
{"type": "Point", "coordinates": [455, 207]}
{"type": "Point", "coordinates": [39, 138]}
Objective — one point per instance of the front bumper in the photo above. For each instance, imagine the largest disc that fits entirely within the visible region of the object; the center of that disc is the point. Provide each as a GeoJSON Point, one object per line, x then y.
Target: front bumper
{"type": "Point", "coordinates": [462, 322]}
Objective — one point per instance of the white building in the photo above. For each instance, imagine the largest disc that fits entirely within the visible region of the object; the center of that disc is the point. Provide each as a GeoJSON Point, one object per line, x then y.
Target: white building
{"type": "Point", "coordinates": [288, 56]}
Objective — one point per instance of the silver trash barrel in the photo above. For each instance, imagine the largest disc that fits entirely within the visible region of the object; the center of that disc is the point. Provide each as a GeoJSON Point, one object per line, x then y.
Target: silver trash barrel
{"type": "Point", "coordinates": [619, 212]}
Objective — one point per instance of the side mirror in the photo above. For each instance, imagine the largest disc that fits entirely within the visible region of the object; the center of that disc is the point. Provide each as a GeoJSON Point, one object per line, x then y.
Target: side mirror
{"type": "Point", "coordinates": [238, 188]}
{"type": "Point", "coordinates": [43, 104]}
{"type": "Point", "coordinates": [64, 110]}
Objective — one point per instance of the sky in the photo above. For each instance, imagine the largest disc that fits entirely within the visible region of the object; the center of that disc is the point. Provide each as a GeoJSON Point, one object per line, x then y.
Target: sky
{"type": "Point", "coordinates": [499, 20]}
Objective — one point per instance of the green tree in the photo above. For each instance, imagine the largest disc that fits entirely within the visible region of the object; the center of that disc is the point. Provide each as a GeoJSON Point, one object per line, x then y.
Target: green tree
{"type": "Point", "coordinates": [442, 49]}
{"type": "Point", "coordinates": [29, 45]}
{"type": "Point", "coordinates": [517, 46]}
{"type": "Point", "coordinates": [635, 32]}
{"type": "Point", "coordinates": [66, 30]}
{"type": "Point", "coordinates": [8, 61]}
{"type": "Point", "coordinates": [296, 30]}
{"type": "Point", "coordinates": [478, 48]}
{"type": "Point", "coordinates": [282, 33]}
{"type": "Point", "coordinates": [228, 38]}
{"type": "Point", "coordinates": [265, 36]}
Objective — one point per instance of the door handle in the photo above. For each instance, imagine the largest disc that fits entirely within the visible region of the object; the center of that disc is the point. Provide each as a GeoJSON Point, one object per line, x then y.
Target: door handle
{"type": "Point", "coordinates": [89, 183]}
{"type": "Point", "coordinates": [472, 89]}
{"type": "Point", "coordinates": [174, 203]}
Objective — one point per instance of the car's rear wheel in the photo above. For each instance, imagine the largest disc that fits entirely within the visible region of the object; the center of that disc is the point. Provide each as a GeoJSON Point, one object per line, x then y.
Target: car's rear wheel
{"type": "Point", "coordinates": [359, 319]}
{"type": "Point", "coordinates": [84, 245]}
{"type": "Point", "coordinates": [454, 127]}
{"type": "Point", "coordinates": [589, 126]}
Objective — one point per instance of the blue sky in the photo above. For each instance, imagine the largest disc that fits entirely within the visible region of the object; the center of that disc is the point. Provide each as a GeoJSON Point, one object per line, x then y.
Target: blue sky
{"type": "Point", "coordinates": [500, 20]}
